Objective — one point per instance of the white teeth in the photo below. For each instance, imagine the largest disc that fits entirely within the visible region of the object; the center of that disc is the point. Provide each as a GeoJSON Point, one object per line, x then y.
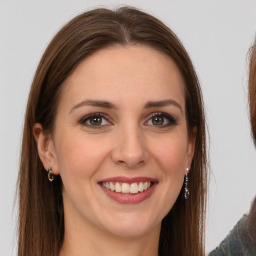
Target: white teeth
{"type": "Point", "coordinates": [126, 188]}
{"type": "Point", "coordinates": [111, 185]}
{"type": "Point", "coordinates": [146, 185]}
{"type": "Point", "coordinates": [134, 188]}
{"type": "Point", "coordinates": [118, 187]}
{"type": "Point", "coordinates": [141, 186]}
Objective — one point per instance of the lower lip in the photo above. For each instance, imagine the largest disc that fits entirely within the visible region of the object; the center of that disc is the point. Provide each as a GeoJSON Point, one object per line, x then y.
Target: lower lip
{"type": "Point", "coordinates": [130, 198]}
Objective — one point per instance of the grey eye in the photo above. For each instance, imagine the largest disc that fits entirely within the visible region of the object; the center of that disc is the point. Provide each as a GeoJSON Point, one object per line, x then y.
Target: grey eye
{"type": "Point", "coordinates": [161, 120]}
{"type": "Point", "coordinates": [158, 120]}
{"type": "Point", "coordinates": [95, 121]}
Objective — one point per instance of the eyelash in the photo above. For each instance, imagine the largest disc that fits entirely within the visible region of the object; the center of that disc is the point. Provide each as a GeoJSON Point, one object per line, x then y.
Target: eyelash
{"type": "Point", "coordinates": [170, 119]}
{"type": "Point", "coordinates": [87, 118]}
{"type": "Point", "coordinates": [167, 118]}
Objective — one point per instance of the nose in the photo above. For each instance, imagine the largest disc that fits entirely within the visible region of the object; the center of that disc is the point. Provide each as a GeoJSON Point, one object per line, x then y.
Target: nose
{"type": "Point", "coordinates": [129, 148]}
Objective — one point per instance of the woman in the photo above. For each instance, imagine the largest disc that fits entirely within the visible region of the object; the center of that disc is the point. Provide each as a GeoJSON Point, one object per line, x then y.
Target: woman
{"type": "Point", "coordinates": [242, 239]}
{"type": "Point", "coordinates": [114, 123]}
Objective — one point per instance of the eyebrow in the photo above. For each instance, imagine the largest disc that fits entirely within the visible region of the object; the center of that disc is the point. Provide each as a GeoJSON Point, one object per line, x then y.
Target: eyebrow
{"type": "Point", "coordinates": [94, 103]}
{"type": "Point", "coordinates": [163, 103]}
{"type": "Point", "coordinates": [109, 105]}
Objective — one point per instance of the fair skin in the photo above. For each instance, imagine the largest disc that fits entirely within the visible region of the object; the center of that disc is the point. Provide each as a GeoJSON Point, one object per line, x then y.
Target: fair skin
{"type": "Point", "coordinates": [120, 119]}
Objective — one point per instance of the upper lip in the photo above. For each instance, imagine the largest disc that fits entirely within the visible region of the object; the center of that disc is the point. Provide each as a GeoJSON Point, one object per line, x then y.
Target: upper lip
{"type": "Point", "coordinates": [128, 179]}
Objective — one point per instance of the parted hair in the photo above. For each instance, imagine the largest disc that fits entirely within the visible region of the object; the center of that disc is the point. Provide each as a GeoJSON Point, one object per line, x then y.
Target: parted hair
{"type": "Point", "coordinates": [252, 90]}
{"type": "Point", "coordinates": [41, 216]}
{"type": "Point", "coordinates": [252, 105]}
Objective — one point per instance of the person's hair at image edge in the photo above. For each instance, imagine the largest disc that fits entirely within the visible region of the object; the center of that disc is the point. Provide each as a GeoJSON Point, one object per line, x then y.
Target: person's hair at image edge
{"type": "Point", "coordinates": [252, 102]}
{"type": "Point", "coordinates": [41, 216]}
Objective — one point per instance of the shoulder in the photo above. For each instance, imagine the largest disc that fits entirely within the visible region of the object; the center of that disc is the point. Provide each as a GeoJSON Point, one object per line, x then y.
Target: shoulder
{"type": "Point", "coordinates": [235, 243]}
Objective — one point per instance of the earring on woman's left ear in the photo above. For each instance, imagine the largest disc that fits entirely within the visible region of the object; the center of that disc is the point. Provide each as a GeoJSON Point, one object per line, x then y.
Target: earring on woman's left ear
{"type": "Point", "coordinates": [186, 193]}
{"type": "Point", "coordinates": [50, 175]}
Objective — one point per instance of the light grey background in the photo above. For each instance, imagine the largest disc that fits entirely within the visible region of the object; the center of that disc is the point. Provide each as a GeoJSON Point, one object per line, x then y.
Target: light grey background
{"type": "Point", "coordinates": [217, 34]}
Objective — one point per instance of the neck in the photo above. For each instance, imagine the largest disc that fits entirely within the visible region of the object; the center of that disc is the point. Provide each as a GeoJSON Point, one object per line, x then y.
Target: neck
{"type": "Point", "coordinates": [79, 243]}
{"type": "Point", "coordinates": [86, 239]}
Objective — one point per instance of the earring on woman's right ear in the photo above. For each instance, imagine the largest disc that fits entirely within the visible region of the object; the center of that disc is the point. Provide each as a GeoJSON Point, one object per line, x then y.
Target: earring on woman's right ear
{"type": "Point", "coordinates": [186, 193]}
{"type": "Point", "coordinates": [50, 175]}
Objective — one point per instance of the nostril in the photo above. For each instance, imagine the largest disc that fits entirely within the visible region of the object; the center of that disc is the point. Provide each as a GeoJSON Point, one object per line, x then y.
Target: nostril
{"type": "Point", "coordinates": [129, 152]}
{"type": "Point", "coordinates": [121, 162]}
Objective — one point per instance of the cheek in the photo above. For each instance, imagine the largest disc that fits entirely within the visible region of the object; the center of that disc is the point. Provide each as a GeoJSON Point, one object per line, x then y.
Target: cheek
{"type": "Point", "coordinates": [79, 156]}
{"type": "Point", "coordinates": [171, 155]}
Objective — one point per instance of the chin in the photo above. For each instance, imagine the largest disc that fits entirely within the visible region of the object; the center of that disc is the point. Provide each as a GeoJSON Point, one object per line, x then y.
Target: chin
{"type": "Point", "coordinates": [132, 226]}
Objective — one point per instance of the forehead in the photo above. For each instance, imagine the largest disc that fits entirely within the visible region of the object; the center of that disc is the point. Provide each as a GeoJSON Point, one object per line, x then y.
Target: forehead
{"type": "Point", "coordinates": [120, 72]}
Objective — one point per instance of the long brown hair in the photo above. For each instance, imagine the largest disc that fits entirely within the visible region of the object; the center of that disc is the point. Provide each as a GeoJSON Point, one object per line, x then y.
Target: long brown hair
{"type": "Point", "coordinates": [41, 224]}
{"type": "Point", "coordinates": [252, 102]}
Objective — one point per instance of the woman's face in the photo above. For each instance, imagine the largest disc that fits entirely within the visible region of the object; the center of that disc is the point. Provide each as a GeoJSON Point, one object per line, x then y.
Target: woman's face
{"type": "Point", "coordinates": [120, 142]}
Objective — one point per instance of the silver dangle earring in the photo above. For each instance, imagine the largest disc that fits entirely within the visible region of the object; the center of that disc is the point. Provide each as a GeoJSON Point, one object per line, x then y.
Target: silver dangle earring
{"type": "Point", "coordinates": [50, 175]}
{"type": "Point", "coordinates": [186, 193]}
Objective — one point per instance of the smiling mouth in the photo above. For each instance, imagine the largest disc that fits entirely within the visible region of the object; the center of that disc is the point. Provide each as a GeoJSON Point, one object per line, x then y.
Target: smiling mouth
{"type": "Point", "coordinates": [126, 188]}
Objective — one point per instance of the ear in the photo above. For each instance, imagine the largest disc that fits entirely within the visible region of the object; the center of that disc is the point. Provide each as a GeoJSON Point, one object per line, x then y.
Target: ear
{"type": "Point", "coordinates": [191, 146]}
{"type": "Point", "coordinates": [45, 148]}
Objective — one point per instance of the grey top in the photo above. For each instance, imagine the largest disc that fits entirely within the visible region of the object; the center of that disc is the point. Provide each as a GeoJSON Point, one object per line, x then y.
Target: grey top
{"type": "Point", "coordinates": [236, 243]}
